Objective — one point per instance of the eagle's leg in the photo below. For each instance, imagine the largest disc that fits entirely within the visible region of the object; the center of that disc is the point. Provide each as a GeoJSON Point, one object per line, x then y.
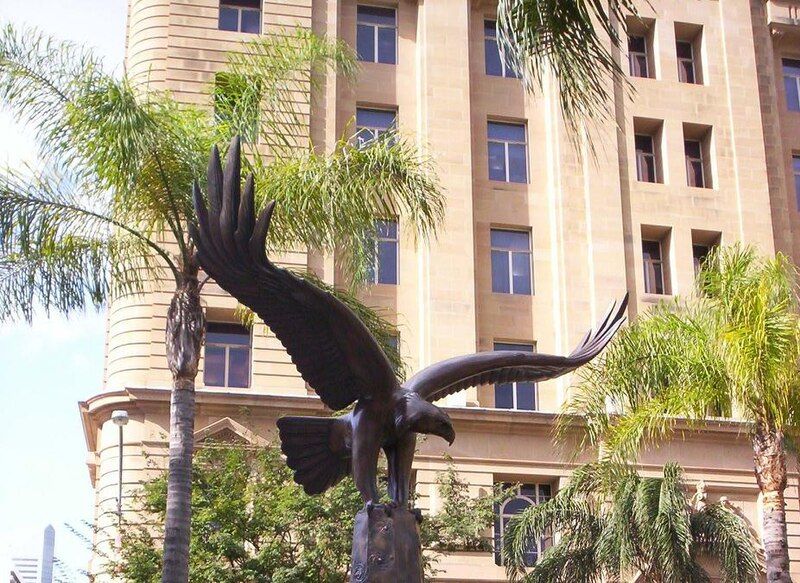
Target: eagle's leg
{"type": "Point", "coordinates": [366, 447]}
{"type": "Point", "coordinates": [400, 458]}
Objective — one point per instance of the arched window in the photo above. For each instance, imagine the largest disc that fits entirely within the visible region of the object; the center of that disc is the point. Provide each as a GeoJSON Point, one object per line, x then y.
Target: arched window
{"type": "Point", "coordinates": [528, 495]}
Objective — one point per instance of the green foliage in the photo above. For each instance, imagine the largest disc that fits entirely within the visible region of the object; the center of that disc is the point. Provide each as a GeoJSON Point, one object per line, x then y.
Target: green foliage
{"type": "Point", "coordinates": [613, 523]}
{"type": "Point", "coordinates": [731, 347]}
{"type": "Point", "coordinates": [252, 523]}
{"type": "Point", "coordinates": [464, 522]}
{"type": "Point", "coordinates": [570, 42]}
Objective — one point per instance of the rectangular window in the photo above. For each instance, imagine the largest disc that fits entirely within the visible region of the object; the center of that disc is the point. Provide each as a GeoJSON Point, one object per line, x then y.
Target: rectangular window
{"type": "Point", "coordinates": [791, 82]}
{"type": "Point", "coordinates": [384, 268]}
{"type": "Point", "coordinates": [653, 267]}
{"type": "Point", "coordinates": [508, 152]}
{"type": "Point", "coordinates": [520, 396]}
{"type": "Point", "coordinates": [372, 123]}
{"type": "Point", "coordinates": [227, 356]}
{"type": "Point", "coordinates": [495, 64]}
{"type": "Point", "coordinates": [796, 174]}
{"type": "Point", "coordinates": [646, 163]}
{"type": "Point", "coordinates": [695, 165]}
{"type": "Point", "coordinates": [511, 262]}
{"type": "Point", "coordinates": [240, 16]}
{"type": "Point", "coordinates": [686, 62]}
{"type": "Point", "coordinates": [376, 34]}
{"type": "Point", "coordinates": [528, 495]}
{"type": "Point", "coordinates": [638, 59]}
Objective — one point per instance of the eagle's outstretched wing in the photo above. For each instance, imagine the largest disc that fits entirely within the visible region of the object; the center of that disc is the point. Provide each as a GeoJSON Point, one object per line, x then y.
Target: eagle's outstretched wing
{"type": "Point", "coordinates": [331, 347]}
{"type": "Point", "coordinates": [452, 375]}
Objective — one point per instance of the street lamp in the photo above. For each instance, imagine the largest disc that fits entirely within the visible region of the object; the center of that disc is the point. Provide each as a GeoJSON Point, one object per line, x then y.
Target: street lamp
{"type": "Point", "coordinates": [120, 419]}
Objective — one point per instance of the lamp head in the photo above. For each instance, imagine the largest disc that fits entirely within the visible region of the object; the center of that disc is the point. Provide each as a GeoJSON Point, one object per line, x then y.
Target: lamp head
{"type": "Point", "coordinates": [119, 417]}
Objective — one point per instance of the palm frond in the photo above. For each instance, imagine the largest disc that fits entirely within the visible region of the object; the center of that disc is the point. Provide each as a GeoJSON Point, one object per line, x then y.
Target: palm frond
{"type": "Point", "coordinates": [340, 196]}
{"type": "Point", "coordinates": [269, 83]}
{"type": "Point", "coordinates": [570, 40]}
{"type": "Point", "coordinates": [720, 532]}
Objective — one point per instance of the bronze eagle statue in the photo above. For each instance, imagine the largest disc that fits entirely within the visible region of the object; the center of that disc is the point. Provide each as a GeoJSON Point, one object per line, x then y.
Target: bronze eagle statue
{"type": "Point", "coordinates": [338, 357]}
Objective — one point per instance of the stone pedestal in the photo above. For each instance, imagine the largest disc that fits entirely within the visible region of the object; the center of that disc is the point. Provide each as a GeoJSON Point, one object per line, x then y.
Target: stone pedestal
{"type": "Point", "coordinates": [386, 547]}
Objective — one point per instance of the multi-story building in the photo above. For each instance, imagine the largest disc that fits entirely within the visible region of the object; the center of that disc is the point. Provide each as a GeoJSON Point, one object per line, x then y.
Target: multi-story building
{"type": "Point", "coordinates": [540, 233]}
{"type": "Point", "coordinates": [39, 568]}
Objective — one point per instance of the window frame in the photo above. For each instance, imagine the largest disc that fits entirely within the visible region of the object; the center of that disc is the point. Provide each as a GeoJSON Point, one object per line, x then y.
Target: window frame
{"type": "Point", "coordinates": [239, 11]}
{"type": "Point", "coordinates": [544, 542]}
{"type": "Point", "coordinates": [374, 276]}
{"type": "Point", "coordinates": [690, 160]}
{"type": "Point", "coordinates": [641, 156]}
{"type": "Point", "coordinates": [796, 176]}
{"type": "Point", "coordinates": [648, 268]}
{"type": "Point", "coordinates": [506, 144]}
{"type": "Point", "coordinates": [795, 77]}
{"type": "Point", "coordinates": [509, 252]}
{"type": "Point", "coordinates": [226, 358]}
{"type": "Point", "coordinates": [375, 34]}
{"type": "Point", "coordinates": [691, 60]}
{"type": "Point", "coordinates": [506, 70]}
{"type": "Point", "coordinates": [375, 131]}
{"type": "Point", "coordinates": [521, 347]}
{"type": "Point", "coordinates": [645, 54]}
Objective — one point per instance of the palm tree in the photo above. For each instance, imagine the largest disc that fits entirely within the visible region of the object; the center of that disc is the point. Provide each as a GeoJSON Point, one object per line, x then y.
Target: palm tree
{"type": "Point", "coordinates": [108, 215]}
{"type": "Point", "coordinates": [730, 350]}
{"type": "Point", "coordinates": [571, 42]}
{"type": "Point", "coordinates": [612, 525]}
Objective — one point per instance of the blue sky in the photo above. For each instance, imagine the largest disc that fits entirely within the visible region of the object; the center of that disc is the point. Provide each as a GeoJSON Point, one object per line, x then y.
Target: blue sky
{"type": "Point", "coordinates": [45, 369]}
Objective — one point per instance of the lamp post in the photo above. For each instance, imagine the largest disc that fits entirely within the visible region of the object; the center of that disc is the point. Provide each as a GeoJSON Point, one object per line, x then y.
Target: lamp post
{"type": "Point", "coordinates": [120, 419]}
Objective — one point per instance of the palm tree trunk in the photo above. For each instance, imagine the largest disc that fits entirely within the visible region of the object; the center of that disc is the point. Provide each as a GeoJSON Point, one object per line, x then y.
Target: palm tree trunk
{"type": "Point", "coordinates": [185, 331]}
{"type": "Point", "coordinates": [770, 467]}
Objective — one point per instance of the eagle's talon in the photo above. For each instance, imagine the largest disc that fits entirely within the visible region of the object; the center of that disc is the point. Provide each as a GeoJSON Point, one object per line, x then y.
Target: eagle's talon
{"type": "Point", "coordinates": [370, 506]}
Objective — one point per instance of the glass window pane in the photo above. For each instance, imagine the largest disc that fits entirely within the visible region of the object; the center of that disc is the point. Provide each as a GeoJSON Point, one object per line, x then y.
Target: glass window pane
{"type": "Point", "coordinates": [792, 94]}
{"type": "Point", "coordinates": [797, 189]}
{"type": "Point", "coordinates": [500, 273]}
{"type": "Point", "coordinates": [512, 132]}
{"type": "Point", "coordinates": [517, 163]}
{"type": "Point", "coordinates": [526, 400]}
{"type": "Point", "coordinates": [791, 67]}
{"type": "Point", "coordinates": [503, 396]}
{"type": "Point", "coordinates": [492, 58]}
{"type": "Point", "coordinates": [521, 266]}
{"type": "Point", "coordinates": [387, 45]}
{"type": "Point", "coordinates": [692, 148]}
{"type": "Point", "coordinates": [686, 71]}
{"type": "Point", "coordinates": [514, 240]}
{"type": "Point", "coordinates": [387, 262]}
{"type": "Point", "coordinates": [644, 144]}
{"type": "Point", "coordinates": [386, 229]}
{"type": "Point", "coordinates": [490, 28]}
{"type": "Point", "coordinates": [228, 18]}
{"type": "Point", "coordinates": [637, 44]}
{"type": "Point", "coordinates": [696, 177]}
{"type": "Point", "coordinates": [214, 366]}
{"type": "Point", "coordinates": [376, 15]}
{"type": "Point", "coordinates": [516, 505]}
{"type": "Point", "coordinates": [511, 347]}
{"type": "Point", "coordinates": [365, 43]}
{"type": "Point", "coordinates": [651, 250]}
{"type": "Point", "coordinates": [222, 333]}
{"type": "Point", "coordinates": [683, 49]}
{"type": "Point", "coordinates": [497, 161]}
{"type": "Point", "coordinates": [544, 492]}
{"type": "Point", "coordinates": [375, 118]}
{"type": "Point", "coordinates": [239, 367]}
{"type": "Point", "coordinates": [658, 278]}
{"type": "Point", "coordinates": [251, 21]}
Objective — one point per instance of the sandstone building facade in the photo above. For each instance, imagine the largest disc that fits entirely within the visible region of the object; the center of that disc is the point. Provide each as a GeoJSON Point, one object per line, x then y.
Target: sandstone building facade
{"type": "Point", "coordinates": [539, 235]}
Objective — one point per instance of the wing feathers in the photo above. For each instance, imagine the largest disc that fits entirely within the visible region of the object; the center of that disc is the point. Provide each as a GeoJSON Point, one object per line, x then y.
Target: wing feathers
{"type": "Point", "coordinates": [328, 344]}
{"type": "Point", "coordinates": [455, 374]}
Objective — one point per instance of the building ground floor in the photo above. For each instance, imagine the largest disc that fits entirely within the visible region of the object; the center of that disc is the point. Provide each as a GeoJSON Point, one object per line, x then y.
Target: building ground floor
{"type": "Point", "coordinates": [492, 446]}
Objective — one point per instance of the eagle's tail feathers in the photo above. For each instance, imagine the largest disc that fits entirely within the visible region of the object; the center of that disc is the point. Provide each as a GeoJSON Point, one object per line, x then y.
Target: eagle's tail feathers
{"type": "Point", "coordinates": [316, 449]}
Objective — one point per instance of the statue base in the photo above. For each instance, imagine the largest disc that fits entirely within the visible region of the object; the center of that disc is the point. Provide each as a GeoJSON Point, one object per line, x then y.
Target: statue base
{"type": "Point", "coordinates": [386, 546]}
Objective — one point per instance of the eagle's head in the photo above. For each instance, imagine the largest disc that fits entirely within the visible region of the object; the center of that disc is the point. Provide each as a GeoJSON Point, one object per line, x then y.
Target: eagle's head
{"type": "Point", "coordinates": [422, 417]}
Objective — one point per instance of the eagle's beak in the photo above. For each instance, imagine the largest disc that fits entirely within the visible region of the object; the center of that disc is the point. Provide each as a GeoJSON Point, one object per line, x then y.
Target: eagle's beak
{"type": "Point", "coordinates": [450, 435]}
